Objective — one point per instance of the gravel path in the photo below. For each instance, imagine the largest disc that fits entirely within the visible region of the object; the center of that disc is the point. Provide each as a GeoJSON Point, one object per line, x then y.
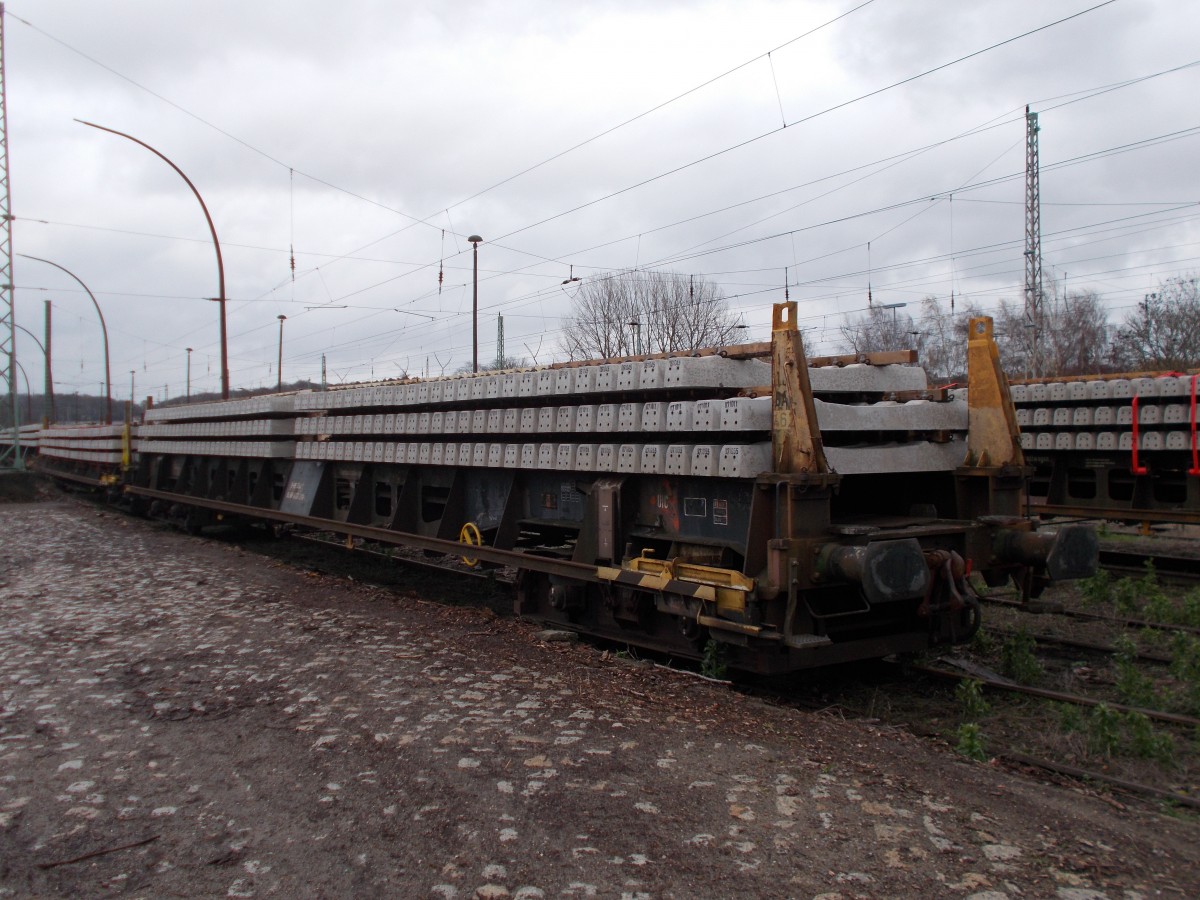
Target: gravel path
{"type": "Point", "coordinates": [179, 718]}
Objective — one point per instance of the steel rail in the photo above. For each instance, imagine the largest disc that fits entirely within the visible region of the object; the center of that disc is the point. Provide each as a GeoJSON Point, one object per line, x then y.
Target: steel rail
{"type": "Point", "coordinates": [1077, 699]}
{"type": "Point", "coordinates": [1097, 617]}
{"type": "Point", "coordinates": [1181, 568]}
{"type": "Point", "coordinates": [1073, 644]}
{"type": "Point", "coordinates": [1115, 513]}
{"type": "Point", "coordinates": [1074, 772]}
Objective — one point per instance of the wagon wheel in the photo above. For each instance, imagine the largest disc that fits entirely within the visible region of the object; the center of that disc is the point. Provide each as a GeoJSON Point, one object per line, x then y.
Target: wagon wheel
{"type": "Point", "coordinates": [470, 535]}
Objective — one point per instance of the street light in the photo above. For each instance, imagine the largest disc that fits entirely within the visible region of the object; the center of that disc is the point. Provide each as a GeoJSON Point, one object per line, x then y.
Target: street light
{"type": "Point", "coordinates": [103, 330]}
{"type": "Point", "coordinates": [637, 340]}
{"type": "Point", "coordinates": [475, 240]}
{"type": "Point", "coordinates": [893, 307]}
{"type": "Point", "coordinates": [189, 375]}
{"type": "Point", "coordinates": [216, 244]}
{"type": "Point", "coordinates": [48, 400]}
{"type": "Point", "coordinates": [279, 367]}
{"type": "Point", "coordinates": [28, 393]}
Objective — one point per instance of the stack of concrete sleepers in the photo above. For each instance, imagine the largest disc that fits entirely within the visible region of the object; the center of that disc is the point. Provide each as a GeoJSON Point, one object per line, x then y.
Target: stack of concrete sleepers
{"type": "Point", "coordinates": [700, 416]}
{"type": "Point", "coordinates": [102, 444]}
{"type": "Point", "coordinates": [255, 427]}
{"type": "Point", "coordinates": [1108, 414]}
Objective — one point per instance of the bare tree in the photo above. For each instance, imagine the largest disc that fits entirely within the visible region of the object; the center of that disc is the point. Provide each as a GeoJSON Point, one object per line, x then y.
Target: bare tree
{"type": "Point", "coordinates": [880, 328]}
{"type": "Point", "coordinates": [1074, 337]}
{"type": "Point", "coordinates": [938, 335]}
{"type": "Point", "coordinates": [1164, 331]}
{"type": "Point", "coordinates": [623, 313]}
{"type": "Point", "coordinates": [942, 341]}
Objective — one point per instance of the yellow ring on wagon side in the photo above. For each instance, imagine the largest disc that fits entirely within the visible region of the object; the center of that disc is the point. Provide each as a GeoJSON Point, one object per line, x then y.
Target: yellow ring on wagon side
{"type": "Point", "coordinates": [470, 534]}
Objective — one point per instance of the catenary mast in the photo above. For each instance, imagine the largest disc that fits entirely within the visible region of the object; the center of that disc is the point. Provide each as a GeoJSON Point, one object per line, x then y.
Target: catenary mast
{"type": "Point", "coordinates": [1033, 247]}
{"type": "Point", "coordinates": [10, 457]}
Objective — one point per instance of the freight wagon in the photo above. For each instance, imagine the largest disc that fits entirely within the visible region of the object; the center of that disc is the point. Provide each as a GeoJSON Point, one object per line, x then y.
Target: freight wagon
{"type": "Point", "coordinates": [797, 512]}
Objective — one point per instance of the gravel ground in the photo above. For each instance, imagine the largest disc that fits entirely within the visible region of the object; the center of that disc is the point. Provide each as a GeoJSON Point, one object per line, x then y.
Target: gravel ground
{"type": "Point", "coordinates": [179, 718]}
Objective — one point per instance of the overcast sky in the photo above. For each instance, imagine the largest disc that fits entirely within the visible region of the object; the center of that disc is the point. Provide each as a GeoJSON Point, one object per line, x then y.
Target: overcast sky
{"type": "Point", "coordinates": [374, 137]}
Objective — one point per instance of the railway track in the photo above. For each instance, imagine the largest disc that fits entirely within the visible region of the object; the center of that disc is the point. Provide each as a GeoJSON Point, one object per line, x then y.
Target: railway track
{"type": "Point", "coordinates": [1099, 775]}
{"type": "Point", "coordinates": [1073, 644]}
{"type": "Point", "coordinates": [1004, 684]}
{"type": "Point", "coordinates": [1168, 568]}
{"type": "Point", "coordinates": [1128, 622]}
{"type": "Point", "coordinates": [829, 699]}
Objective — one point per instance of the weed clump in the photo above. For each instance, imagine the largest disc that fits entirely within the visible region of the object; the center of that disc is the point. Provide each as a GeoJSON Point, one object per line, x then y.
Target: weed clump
{"type": "Point", "coordinates": [970, 742]}
{"type": "Point", "coordinates": [1135, 687]}
{"type": "Point", "coordinates": [1142, 598]}
{"type": "Point", "coordinates": [1097, 589]}
{"type": "Point", "coordinates": [1185, 667]}
{"type": "Point", "coordinates": [1146, 742]}
{"type": "Point", "coordinates": [1070, 718]}
{"type": "Point", "coordinates": [1104, 730]}
{"type": "Point", "coordinates": [1017, 658]}
{"type": "Point", "coordinates": [712, 663]}
{"type": "Point", "coordinates": [971, 701]}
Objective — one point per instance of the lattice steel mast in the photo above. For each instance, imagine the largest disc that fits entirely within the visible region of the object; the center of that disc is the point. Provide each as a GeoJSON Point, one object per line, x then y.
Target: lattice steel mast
{"type": "Point", "coordinates": [1033, 247]}
{"type": "Point", "coordinates": [10, 456]}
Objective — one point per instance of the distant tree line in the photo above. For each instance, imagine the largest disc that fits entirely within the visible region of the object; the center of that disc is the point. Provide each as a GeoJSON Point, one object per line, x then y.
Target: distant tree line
{"type": "Point", "coordinates": [1076, 338]}
{"type": "Point", "coordinates": [74, 408]}
{"type": "Point", "coordinates": [302, 384]}
{"type": "Point", "coordinates": [77, 408]}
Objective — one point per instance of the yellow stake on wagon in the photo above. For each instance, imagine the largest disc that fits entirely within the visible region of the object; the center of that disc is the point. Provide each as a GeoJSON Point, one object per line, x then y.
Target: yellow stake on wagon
{"type": "Point", "coordinates": [993, 437]}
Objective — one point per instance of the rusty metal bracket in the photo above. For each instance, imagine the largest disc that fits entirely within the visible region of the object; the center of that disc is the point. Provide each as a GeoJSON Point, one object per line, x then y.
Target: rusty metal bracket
{"type": "Point", "coordinates": [993, 437]}
{"type": "Point", "coordinates": [795, 436]}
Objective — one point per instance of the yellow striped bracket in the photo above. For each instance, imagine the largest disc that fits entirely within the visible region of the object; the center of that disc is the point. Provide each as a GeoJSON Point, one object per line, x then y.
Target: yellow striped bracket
{"type": "Point", "coordinates": [726, 588]}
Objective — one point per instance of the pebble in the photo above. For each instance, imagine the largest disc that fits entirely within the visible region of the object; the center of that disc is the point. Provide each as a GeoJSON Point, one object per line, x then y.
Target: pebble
{"type": "Point", "coordinates": [555, 636]}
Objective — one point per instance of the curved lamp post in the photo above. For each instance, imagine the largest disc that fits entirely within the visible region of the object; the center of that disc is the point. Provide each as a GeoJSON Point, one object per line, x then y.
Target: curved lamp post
{"type": "Point", "coordinates": [216, 244]}
{"type": "Point", "coordinates": [28, 393]}
{"type": "Point", "coordinates": [48, 400]}
{"type": "Point", "coordinates": [103, 329]}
